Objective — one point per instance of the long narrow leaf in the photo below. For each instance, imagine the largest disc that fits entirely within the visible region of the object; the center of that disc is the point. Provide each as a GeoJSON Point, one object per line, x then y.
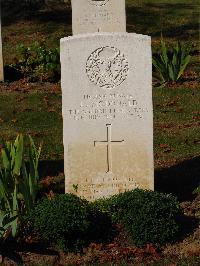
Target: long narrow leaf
{"type": "Point", "coordinates": [164, 52]}
{"type": "Point", "coordinates": [5, 158]}
{"type": "Point", "coordinates": [19, 149]}
{"type": "Point", "coordinates": [15, 211]}
{"type": "Point", "coordinates": [183, 67]}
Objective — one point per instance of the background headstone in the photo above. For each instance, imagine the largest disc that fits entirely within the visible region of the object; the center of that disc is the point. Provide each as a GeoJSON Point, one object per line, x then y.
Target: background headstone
{"type": "Point", "coordinates": [1, 55]}
{"type": "Point", "coordinates": [107, 113]}
{"type": "Point", "coordinates": [90, 16]}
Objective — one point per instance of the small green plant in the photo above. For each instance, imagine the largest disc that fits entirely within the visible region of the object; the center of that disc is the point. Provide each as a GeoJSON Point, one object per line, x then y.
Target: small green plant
{"type": "Point", "coordinates": [170, 65]}
{"type": "Point", "coordinates": [18, 181]}
{"type": "Point", "coordinates": [75, 187]}
{"type": "Point", "coordinates": [197, 190]}
{"type": "Point", "coordinates": [62, 220]}
{"type": "Point", "coordinates": [69, 222]}
{"type": "Point", "coordinates": [149, 217]}
{"type": "Point", "coordinates": [39, 62]}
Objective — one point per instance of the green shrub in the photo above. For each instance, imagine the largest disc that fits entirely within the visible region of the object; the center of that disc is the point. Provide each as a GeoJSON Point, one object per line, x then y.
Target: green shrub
{"type": "Point", "coordinates": [39, 62]}
{"type": "Point", "coordinates": [69, 222]}
{"type": "Point", "coordinates": [104, 205]}
{"type": "Point", "coordinates": [149, 217]}
{"type": "Point", "coordinates": [62, 220]}
{"type": "Point", "coordinates": [170, 65]}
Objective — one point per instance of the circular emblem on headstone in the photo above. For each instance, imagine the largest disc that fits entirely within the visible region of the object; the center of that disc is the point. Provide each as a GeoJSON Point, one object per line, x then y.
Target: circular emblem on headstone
{"type": "Point", "coordinates": [107, 67]}
{"type": "Point", "coordinates": [98, 2]}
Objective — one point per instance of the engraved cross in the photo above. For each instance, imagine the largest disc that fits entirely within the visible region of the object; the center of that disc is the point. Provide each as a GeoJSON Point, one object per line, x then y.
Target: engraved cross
{"type": "Point", "coordinates": [109, 142]}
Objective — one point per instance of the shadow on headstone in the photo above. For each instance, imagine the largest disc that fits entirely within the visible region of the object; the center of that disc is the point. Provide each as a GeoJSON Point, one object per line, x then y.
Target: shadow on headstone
{"type": "Point", "coordinates": [180, 179]}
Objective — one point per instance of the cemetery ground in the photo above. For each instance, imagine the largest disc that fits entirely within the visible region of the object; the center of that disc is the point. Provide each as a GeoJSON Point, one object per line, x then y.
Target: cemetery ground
{"type": "Point", "coordinates": [35, 108]}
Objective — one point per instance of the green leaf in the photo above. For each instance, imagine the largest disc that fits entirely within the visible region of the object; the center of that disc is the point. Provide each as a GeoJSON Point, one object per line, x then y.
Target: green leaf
{"type": "Point", "coordinates": [18, 156]}
{"type": "Point", "coordinates": [164, 52]}
{"type": "Point", "coordinates": [160, 68]}
{"type": "Point", "coordinates": [5, 159]}
{"type": "Point", "coordinates": [171, 73]}
{"type": "Point", "coordinates": [183, 67]}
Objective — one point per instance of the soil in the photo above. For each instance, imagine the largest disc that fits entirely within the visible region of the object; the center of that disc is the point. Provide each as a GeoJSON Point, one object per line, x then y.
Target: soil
{"type": "Point", "coordinates": [190, 80]}
{"type": "Point", "coordinates": [24, 86]}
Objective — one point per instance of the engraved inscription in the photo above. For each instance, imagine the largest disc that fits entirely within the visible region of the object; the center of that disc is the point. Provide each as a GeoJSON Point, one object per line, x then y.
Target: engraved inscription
{"type": "Point", "coordinates": [96, 18]}
{"type": "Point", "coordinates": [107, 189]}
{"type": "Point", "coordinates": [105, 184]}
{"type": "Point", "coordinates": [107, 67]}
{"type": "Point", "coordinates": [93, 191]}
{"type": "Point", "coordinates": [107, 106]}
{"type": "Point", "coordinates": [109, 142]}
{"type": "Point", "coordinates": [99, 2]}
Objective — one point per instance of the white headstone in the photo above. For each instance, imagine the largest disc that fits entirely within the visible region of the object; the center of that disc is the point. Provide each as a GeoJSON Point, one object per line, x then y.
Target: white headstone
{"type": "Point", "coordinates": [90, 16]}
{"type": "Point", "coordinates": [1, 55]}
{"type": "Point", "coordinates": [107, 113]}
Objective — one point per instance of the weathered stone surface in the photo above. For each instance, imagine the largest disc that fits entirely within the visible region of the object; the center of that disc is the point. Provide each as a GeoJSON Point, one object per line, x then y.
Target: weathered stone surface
{"type": "Point", "coordinates": [90, 16]}
{"type": "Point", "coordinates": [107, 113]}
{"type": "Point", "coordinates": [1, 55]}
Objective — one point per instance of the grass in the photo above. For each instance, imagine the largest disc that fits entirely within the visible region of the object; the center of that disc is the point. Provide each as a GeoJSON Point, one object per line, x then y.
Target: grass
{"type": "Point", "coordinates": [176, 123]}
{"type": "Point", "coordinates": [37, 114]}
{"type": "Point", "coordinates": [175, 18]}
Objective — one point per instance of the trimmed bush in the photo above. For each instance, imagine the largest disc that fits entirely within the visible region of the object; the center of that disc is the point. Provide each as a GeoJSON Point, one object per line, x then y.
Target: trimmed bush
{"type": "Point", "coordinates": [69, 222]}
{"type": "Point", "coordinates": [63, 220]}
{"type": "Point", "coordinates": [149, 217]}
